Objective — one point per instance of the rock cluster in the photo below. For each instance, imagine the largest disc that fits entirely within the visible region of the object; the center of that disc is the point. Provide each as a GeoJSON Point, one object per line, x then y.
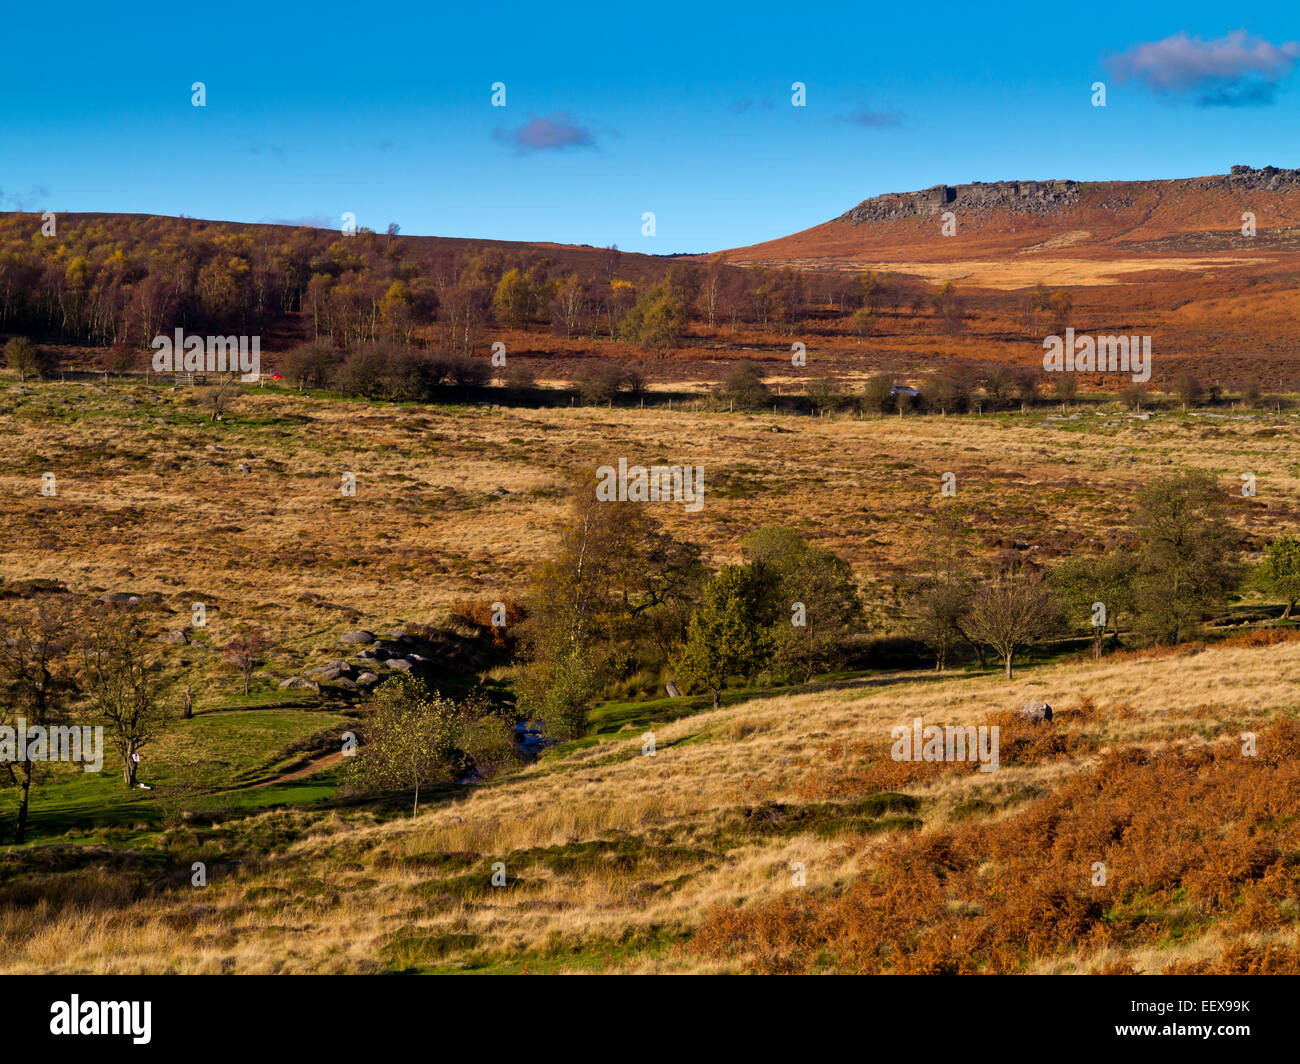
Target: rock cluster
{"type": "Point", "coordinates": [379, 656]}
{"type": "Point", "coordinates": [972, 200]}
{"type": "Point", "coordinates": [981, 198]}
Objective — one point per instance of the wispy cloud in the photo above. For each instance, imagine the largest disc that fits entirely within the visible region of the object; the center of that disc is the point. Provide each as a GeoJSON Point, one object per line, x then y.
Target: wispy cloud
{"type": "Point", "coordinates": [1236, 70]}
{"type": "Point", "coordinates": [313, 221]}
{"type": "Point", "coordinates": [553, 132]}
{"type": "Point", "coordinates": [23, 201]}
{"type": "Point", "coordinates": [868, 119]}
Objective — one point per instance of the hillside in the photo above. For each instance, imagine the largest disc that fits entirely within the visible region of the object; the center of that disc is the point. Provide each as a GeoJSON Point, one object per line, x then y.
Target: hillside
{"type": "Point", "coordinates": [1013, 233]}
{"type": "Point", "coordinates": [685, 861]}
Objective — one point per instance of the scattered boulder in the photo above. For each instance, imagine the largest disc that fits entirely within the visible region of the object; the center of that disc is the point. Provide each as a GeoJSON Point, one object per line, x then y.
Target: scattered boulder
{"type": "Point", "coordinates": [400, 664]}
{"type": "Point", "coordinates": [297, 683]}
{"type": "Point", "coordinates": [119, 598]}
{"type": "Point", "coordinates": [367, 679]}
{"type": "Point", "coordinates": [176, 637]}
{"type": "Point", "coordinates": [1035, 712]}
{"type": "Point", "coordinates": [359, 636]}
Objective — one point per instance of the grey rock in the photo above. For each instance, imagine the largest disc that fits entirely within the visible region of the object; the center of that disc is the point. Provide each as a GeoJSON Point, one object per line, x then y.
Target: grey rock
{"type": "Point", "coordinates": [359, 636]}
{"type": "Point", "coordinates": [400, 664]}
{"type": "Point", "coordinates": [367, 679]}
{"type": "Point", "coordinates": [1035, 712]}
{"type": "Point", "coordinates": [176, 637]}
{"type": "Point", "coordinates": [295, 683]}
{"type": "Point", "coordinates": [119, 598]}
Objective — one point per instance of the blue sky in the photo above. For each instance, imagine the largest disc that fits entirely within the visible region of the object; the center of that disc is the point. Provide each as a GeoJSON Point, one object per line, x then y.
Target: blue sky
{"type": "Point", "coordinates": [613, 110]}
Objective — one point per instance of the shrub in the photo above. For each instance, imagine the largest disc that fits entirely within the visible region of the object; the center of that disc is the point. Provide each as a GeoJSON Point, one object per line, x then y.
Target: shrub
{"type": "Point", "coordinates": [598, 382]}
{"type": "Point", "coordinates": [744, 387]}
{"type": "Point", "coordinates": [877, 393]}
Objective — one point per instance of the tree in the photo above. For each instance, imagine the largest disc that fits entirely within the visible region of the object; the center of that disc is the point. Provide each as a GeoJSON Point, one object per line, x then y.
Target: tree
{"type": "Point", "coordinates": [1106, 579]}
{"type": "Point", "coordinates": [940, 613]}
{"type": "Point", "coordinates": [744, 387]}
{"type": "Point", "coordinates": [1013, 612]}
{"type": "Point", "coordinates": [598, 382]}
{"type": "Point", "coordinates": [570, 299]}
{"type": "Point", "coordinates": [308, 365]}
{"type": "Point", "coordinates": [877, 393]}
{"type": "Point", "coordinates": [999, 382]}
{"type": "Point", "coordinates": [514, 299]}
{"type": "Point", "coordinates": [245, 652]}
{"type": "Point", "coordinates": [813, 601]}
{"type": "Point", "coordinates": [1132, 396]}
{"type": "Point", "coordinates": [1066, 387]}
{"type": "Point", "coordinates": [1281, 571]}
{"type": "Point", "coordinates": [726, 636]}
{"type": "Point", "coordinates": [1187, 562]}
{"type": "Point", "coordinates": [825, 393]}
{"type": "Point", "coordinates": [25, 357]}
{"type": "Point", "coordinates": [939, 600]}
{"type": "Point", "coordinates": [948, 308]}
{"type": "Point", "coordinates": [123, 683]}
{"type": "Point", "coordinates": [220, 399]}
{"type": "Point", "coordinates": [947, 393]}
{"type": "Point", "coordinates": [1188, 390]}
{"type": "Point", "coordinates": [613, 600]}
{"type": "Point", "coordinates": [658, 320]}
{"type": "Point", "coordinates": [411, 739]}
{"type": "Point", "coordinates": [1027, 383]}
{"type": "Point", "coordinates": [35, 683]}
{"type": "Point", "coordinates": [1059, 305]}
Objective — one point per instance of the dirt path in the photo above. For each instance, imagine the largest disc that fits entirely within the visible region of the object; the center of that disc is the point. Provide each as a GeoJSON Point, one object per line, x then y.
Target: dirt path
{"type": "Point", "coordinates": [314, 765]}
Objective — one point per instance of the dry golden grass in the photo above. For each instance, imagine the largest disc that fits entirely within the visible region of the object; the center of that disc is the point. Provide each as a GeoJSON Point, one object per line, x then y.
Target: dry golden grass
{"type": "Point", "coordinates": [353, 896]}
{"type": "Point", "coordinates": [614, 859]}
{"type": "Point", "coordinates": [461, 502]}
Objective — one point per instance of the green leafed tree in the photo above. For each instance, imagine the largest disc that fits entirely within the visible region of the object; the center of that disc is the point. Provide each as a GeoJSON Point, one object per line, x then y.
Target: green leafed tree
{"type": "Point", "coordinates": [411, 740]}
{"type": "Point", "coordinates": [1096, 592]}
{"type": "Point", "coordinates": [1187, 562]}
{"type": "Point", "coordinates": [727, 636]}
{"type": "Point", "coordinates": [658, 320]}
{"type": "Point", "coordinates": [744, 388]}
{"type": "Point", "coordinates": [1281, 571]}
{"type": "Point", "coordinates": [514, 299]}
{"type": "Point", "coordinates": [812, 599]}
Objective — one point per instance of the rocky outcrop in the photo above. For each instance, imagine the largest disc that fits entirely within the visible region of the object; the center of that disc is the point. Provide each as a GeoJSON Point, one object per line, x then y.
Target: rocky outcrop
{"type": "Point", "coordinates": [981, 198]}
{"type": "Point", "coordinates": [973, 200]}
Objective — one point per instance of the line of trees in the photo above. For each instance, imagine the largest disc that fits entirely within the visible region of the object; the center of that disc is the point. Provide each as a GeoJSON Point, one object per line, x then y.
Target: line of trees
{"type": "Point", "coordinates": [110, 280]}
{"type": "Point", "coordinates": [64, 664]}
{"type": "Point", "coordinates": [623, 604]}
{"type": "Point", "coordinates": [1176, 565]}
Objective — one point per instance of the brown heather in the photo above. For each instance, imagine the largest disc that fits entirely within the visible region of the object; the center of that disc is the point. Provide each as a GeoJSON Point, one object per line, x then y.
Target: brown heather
{"type": "Point", "coordinates": [1012, 895]}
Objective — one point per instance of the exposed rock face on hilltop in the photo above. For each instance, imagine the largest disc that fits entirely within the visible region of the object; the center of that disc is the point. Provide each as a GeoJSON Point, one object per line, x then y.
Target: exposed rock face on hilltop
{"type": "Point", "coordinates": [1265, 179]}
{"type": "Point", "coordinates": [1043, 197]}
{"type": "Point", "coordinates": [979, 197]}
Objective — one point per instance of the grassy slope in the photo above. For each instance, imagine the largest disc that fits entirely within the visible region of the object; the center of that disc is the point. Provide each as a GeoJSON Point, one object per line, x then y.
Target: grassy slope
{"type": "Point", "coordinates": [615, 859]}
